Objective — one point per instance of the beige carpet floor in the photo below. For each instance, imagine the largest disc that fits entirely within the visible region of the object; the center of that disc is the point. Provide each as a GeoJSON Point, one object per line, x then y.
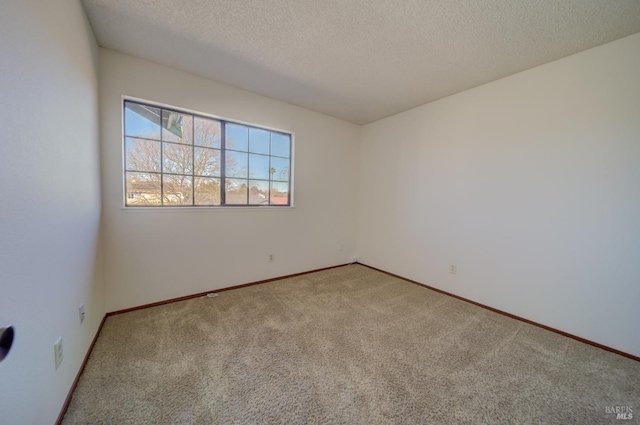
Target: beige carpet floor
{"type": "Point", "coordinates": [344, 346]}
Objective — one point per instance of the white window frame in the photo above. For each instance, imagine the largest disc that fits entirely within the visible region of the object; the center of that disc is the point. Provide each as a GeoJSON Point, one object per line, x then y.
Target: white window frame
{"type": "Point", "coordinates": [224, 121]}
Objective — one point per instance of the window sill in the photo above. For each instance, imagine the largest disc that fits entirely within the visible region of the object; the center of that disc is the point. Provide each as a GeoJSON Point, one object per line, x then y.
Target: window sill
{"type": "Point", "coordinates": [190, 209]}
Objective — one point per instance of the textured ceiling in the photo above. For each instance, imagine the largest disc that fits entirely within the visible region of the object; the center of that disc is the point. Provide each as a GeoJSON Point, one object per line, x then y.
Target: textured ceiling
{"type": "Point", "coordinates": [360, 60]}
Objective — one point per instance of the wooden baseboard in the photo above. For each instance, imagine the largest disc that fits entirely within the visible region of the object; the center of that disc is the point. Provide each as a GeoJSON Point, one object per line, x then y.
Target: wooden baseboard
{"type": "Point", "coordinates": [65, 406]}
{"type": "Point", "coordinates": [202, 294]}
{"type": "Point", "coordinates": [513, 316]}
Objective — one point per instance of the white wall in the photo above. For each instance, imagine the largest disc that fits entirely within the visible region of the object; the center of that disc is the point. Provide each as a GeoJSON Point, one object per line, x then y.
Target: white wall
{"type": "Point", "coordinates": [50, 212]}
{"type": "Point", "coordinates": [162, 254]}
{"type": "Point", "coordinates": [530, 184]}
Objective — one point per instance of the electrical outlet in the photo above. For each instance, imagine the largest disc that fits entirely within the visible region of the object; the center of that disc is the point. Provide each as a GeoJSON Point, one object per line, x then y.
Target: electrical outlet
{"type": "Point", "coordinates": [81, 311]}
{"type": "Point", "coordinates": [453, 269]}
{"type": "Point", "coordinates": [271, 258]}
{"type": "Point", "coordinates": [57, 352]}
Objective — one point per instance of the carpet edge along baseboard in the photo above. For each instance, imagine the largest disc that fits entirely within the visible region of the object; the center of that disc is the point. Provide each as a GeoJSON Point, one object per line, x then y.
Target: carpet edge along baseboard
{"type": "Point", "coordinates": [65, 405]}
{"type": "Point", "coordinates": [67, 400]}
{"type": "Point", "coordinates": [512, 316]}
{"type": "Point", "coordinates": [228, 288]}
{"type": "Point", "coordinates": [495, 310]}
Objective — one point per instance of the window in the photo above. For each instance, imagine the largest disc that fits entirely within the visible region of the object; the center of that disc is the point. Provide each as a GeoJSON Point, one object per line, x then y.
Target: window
{"type": "Point", "coordinates": [175, 158]}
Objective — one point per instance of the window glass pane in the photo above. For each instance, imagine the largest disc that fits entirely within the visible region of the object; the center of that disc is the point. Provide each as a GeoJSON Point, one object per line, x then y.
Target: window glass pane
{"type": "Point", "coordinates": [279, 193]}
{"type": "Point", "coordinates": [141, 121]}
{"type": "Point", "coordinates": [236, 164]}
{"type": "Point", "coordinates": [281, 145]}
{"type": "Point", "coordinates": [207, 191]}
{"type": "Point", "coordinates": [207, 132]}
{"type": "Point", "coordinates": [177, 159]}
{"type": "Point", "coordinates": [259, 166]}
{"type": "Point", "coordinates": [259, 141]}
{"type": "Point", "coordinates": [279, 169]}
{"type": "Point", "coordinates": [237, 137]}
{"type": "Point", "coordinates": [142, 189]}
{"type": "Point", "coordinates": [207, 162]}
{"type": "Point", "coordinates": [236, 192]}
{"type": "Point", "coordinates": [176, 127]}
{"type": "Point", "coordinates": [177, 190]}
{"type": "Point", "coordinates": [258, 192]}
{"type": "Point", "coordinates": [142, 155]}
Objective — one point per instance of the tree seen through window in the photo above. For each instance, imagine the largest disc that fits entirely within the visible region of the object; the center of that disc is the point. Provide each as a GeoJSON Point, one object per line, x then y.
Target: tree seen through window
{"type": "Point", "coordinates": [174, 158]}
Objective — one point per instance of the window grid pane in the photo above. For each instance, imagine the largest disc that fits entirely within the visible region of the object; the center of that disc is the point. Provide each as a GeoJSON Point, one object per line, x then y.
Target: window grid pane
{"type": "Point", "coordinates": [207, 132]}
{"type": "Point", "coordinates": [177, 127]}
{"type": "Point", "coordinates": [175, 158]}
{"type": "Point", "coordinates": [143, 189]}
{"type": "Point", "coordinates": [206, 162]}
{"type": "Point", "coordinates": [207, 191]}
